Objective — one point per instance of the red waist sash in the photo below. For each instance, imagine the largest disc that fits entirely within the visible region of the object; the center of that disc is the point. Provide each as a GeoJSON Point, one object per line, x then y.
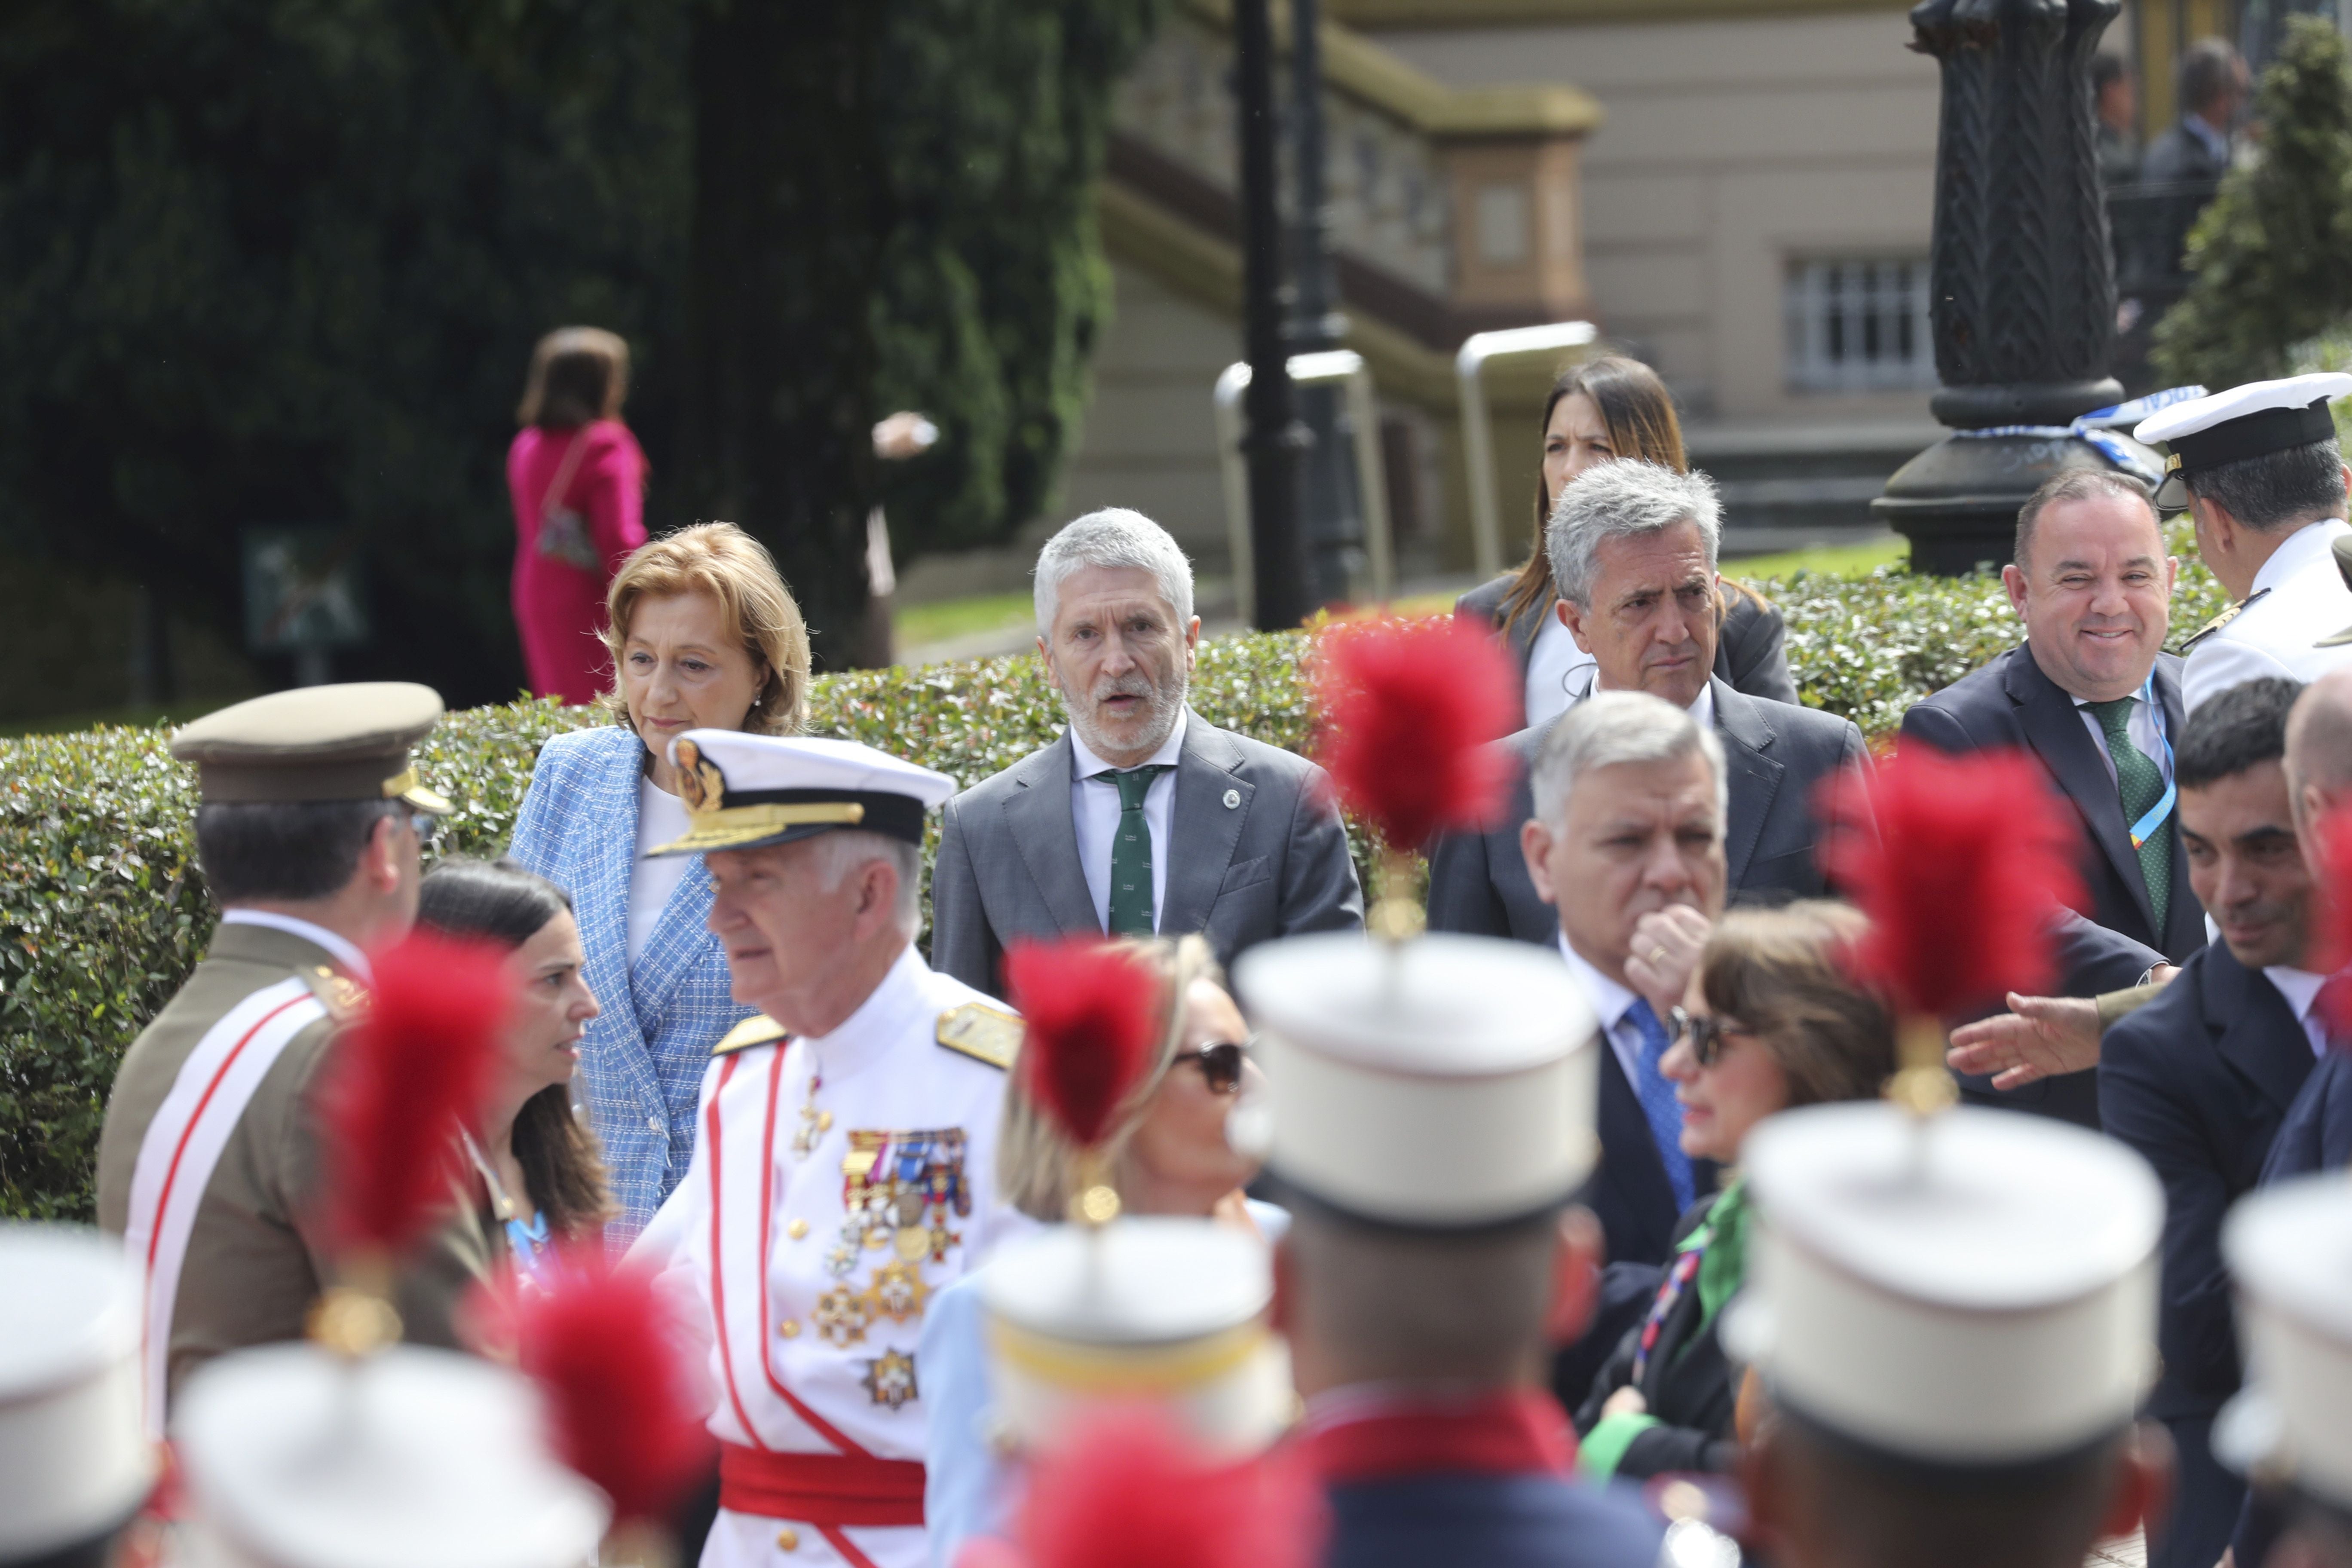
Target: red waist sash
{"type": "Point", "coordinates": [820, 1489]}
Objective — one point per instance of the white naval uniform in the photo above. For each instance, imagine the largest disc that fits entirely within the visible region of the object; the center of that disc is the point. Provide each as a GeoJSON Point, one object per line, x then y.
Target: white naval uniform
{"type": "Point", "coordinates": [2298, 597]}
{"type": "Point", "coordinates": [818, 1319]}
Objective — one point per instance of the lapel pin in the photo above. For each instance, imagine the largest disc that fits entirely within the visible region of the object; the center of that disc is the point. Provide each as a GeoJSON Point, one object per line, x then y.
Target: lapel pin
{"type": "Point", "coordinates": [1233, 799]}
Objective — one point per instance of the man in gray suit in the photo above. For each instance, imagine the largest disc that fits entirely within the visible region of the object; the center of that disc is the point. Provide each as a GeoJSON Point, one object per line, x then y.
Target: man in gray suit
{"type": "Point", "coordinates": [1632, 548]}
{"type": "Point", "coordinates": [1143, 818]}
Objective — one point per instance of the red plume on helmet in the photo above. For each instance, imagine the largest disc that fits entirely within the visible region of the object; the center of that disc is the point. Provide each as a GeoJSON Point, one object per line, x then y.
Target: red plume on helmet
{"type": "Point", "coordinates": [1960, 863]}
{"type": "Point", "coordinates": [595, 1340]}
{"type": "Point", "coordinates": [1090, 1013]}
{"type": "Point", "coordinates": [1130, 1491]}
{"type": "Point", "coordinates": [412, 1071]}
{"type": "Point", "coordinates": [1405, 712]}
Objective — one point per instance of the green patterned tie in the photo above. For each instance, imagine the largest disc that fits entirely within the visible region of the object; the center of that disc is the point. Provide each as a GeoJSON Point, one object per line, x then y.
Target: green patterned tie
{"type": "Point", "coordinates": [1131, 854]}
{"type": "Point", "coordinates": [2141, 782]}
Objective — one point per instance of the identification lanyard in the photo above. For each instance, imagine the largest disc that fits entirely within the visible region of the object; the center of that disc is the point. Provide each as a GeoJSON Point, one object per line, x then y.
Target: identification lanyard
{"type": "Point", "coordinates": [2145, 828]}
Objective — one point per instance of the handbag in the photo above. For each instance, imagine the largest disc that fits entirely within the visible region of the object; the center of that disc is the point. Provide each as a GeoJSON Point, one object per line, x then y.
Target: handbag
{"type": "Point", "coordinates": [562, 532]}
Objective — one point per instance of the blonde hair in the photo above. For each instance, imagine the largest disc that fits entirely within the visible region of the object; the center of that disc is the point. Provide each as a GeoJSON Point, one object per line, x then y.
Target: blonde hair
{"type": "Point", "coordinates": [754, 607]}
{"type": "Point", "coordinates": [578, 376]}
{"type": "Point", "coordinates": [1036, 1165]}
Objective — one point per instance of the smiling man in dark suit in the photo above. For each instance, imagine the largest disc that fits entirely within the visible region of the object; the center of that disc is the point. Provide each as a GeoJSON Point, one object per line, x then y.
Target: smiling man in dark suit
{"type": "Point", "coordinates": [1143, 818]}
{"type": "Point", "coordinates": [2199, 1079]}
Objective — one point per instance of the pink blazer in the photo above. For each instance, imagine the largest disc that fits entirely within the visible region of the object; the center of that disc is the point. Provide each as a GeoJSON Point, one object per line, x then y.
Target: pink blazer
{"type": "Point", "coordinates": [559, 605]}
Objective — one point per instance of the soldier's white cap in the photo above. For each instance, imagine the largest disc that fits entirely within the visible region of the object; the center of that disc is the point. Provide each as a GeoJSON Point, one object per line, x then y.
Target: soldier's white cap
{"type": "Point", "coordinates": [1445, 1083]}
{"type": "Point", "coordinates": [1151, 1307]}
{"type": "Point", "coordinates": [744, 791]}
{"type": "Point", "coordinates": [315, 743]}
{"type": "Point", "coordinates": [2243, 421]}
{"type": "Point", "coordinates": [75, 1461]}
{"type": "Point", "coordinates": [296, 1458]}
{"type": "Point", "coordinates": [2289, 1249]}
{"type": "Point", "coordinates": [1976, 1291]}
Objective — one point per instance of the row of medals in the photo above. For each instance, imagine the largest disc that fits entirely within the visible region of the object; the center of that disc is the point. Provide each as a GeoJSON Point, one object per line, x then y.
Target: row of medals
{"type": "Point", "coordinates": [909, 1224]}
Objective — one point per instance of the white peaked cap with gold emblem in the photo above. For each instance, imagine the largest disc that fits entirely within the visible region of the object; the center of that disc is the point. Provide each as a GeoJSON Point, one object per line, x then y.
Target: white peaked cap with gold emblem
{"type": "Point", "coordinates": [1444, 1083]}
{"type": "Point", "coordinates": [1153, 1308]}
{"type": "Point", "coordinates": [75, 1461]}
{"type": "Point", "coordinates": [2248, 421]}
{"type": "Point", "coordinates": [744, 791]}
{"type": "Point", "coordinates": [1975, 1289]}
{"type": "Point", "coordinates": [2289, 1249]}
{"type": "Point", "coordinates": [296, 1458]}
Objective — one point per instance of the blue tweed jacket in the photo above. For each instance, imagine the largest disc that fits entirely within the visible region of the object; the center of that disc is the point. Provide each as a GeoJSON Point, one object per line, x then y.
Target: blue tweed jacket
{"type": "Point", "coordinates": [644, 1055]}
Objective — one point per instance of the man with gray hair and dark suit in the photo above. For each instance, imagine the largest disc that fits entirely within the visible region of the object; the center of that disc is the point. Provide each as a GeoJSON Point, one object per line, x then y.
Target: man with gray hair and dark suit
{"type": "Point", "coordinates": [1143, 818]}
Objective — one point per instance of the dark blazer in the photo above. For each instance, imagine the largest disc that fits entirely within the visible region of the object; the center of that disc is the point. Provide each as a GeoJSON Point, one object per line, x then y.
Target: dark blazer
{"type": "Point", "coordinates": [2316, 1133]}
{"type": "Point", "coordinates": [1259, 852]}
{"type": "Point", "coordinates": [2199, 1081]}
{"type": "Point", "coordinates": [1750, 637]}
{"type": "Point", "coordinates": [1688, 1384]}
{"type": "Point", "coordinates": [2011, 702]}
{"type": "Point", "coordinates": [1491, 1520]}
{"type": "Point", "coordinates": [1776, 755]}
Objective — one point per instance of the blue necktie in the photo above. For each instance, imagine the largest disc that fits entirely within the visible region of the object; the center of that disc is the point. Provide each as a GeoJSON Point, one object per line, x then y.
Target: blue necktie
{"type": "Point", "coordinates": [1659, 1106]}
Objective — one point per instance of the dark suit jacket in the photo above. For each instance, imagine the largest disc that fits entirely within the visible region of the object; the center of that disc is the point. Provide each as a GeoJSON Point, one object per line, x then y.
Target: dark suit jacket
{"type": "Point", "coordinates": [1689, 1385]}
{"type": "Point", "coordinates": [1750, 637]}
{"type": "Point", "coordinates": [2011, 702]}
{"type": "Point", "coordinates": [1628, 1191]}
{"type": "Point", "coordinates": [2198, 1081]}
{"type": "Point", "coordinates": [1776, 755]}
{"type": "Point", "coordinates": [2316, 1134]}
{"type": "Point", "coordinates": [1259, 852]}
{"type": "Point", "coordinates": [1489, 1521]}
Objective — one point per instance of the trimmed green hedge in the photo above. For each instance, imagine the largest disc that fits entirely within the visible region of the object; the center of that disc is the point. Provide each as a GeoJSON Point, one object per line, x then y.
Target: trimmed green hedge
{"type": "Point", "coordinates": [102, 913]}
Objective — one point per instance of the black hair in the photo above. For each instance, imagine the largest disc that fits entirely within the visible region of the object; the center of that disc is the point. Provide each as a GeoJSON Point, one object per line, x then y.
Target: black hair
{"type": "Point", "coordinates": [291, 850]}
{"type": "Point", "coordinates": [2106, 70]}
{"type": "Point", "coordinates": [499, 903]}
{"type": "Point", "coordinates": [2234, 731]}
{"type": "Point", "coordinates": [2303, 482]}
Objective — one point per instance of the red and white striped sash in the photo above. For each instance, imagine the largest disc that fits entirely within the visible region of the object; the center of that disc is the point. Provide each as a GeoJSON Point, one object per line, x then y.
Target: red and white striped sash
{"type": "Point", "coordinates": [184, 1142]}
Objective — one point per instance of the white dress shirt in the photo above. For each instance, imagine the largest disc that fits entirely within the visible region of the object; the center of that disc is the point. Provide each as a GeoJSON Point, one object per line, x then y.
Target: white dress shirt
{"type": "Point", "coordinates": [345, 952]}
{"type": "Point", "coordinates": [1094, 809]}
{"type": "Point", "coordinates": [2144, 729]}
{"type": "Point", "coordinates": [2301, 989]}
{"type": "Point", "coordinates": [1610, 1003]}
{"type": "Point", "coordinates": [661, 819]}
{"type": "Point", "coordinates": [1702, 708]}
{"type": "Point", "coordinates": [1559, 672]}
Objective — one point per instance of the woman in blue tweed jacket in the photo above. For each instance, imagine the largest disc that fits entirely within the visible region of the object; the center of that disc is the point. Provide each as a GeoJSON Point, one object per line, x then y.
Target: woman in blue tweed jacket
{"type": "Point", "coordinates": [703, 635]}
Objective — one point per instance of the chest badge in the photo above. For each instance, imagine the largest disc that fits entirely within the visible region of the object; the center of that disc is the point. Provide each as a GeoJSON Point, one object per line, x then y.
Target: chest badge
{"type": "Point", "coordinates": [890, 1379]}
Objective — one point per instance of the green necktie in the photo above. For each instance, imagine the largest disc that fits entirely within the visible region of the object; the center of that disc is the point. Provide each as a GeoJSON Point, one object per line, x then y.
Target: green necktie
{"type": "Point", "coordinates": [1131, 854]}
{"type": "Point", "coordinates": [2141, 782]}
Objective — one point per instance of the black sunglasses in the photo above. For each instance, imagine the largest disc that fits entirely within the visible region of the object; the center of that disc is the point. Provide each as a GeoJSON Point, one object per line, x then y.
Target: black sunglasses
{"type": "Point", "coordinates": [1705, 1035]}
{"type": "Point", "coordinates": [1221, 1065]}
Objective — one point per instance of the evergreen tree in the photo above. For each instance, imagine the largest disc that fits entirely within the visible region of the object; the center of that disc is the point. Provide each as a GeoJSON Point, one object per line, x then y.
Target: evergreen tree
{"type": "Point", "coordinates": [2269, 253]}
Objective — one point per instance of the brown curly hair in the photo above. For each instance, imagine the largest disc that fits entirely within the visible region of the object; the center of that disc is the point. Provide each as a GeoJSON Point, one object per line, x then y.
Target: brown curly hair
{"type": "Point", "coordinates": [755, 606]}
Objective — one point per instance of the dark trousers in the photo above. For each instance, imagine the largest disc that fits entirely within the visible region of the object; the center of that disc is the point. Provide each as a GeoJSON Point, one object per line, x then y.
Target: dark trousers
{"type": "Point", "coordinates": [2205, 1501]}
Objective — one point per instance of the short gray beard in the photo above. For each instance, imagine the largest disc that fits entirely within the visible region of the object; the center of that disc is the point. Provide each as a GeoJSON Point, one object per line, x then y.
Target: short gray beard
{"type": "Point", "coordinates": [1166, 703]}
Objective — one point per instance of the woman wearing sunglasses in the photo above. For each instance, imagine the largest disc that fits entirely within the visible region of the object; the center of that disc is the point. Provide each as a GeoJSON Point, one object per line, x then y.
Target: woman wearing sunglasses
{"type": "Point", "coordinates": [1167, 1155]}
{"type": "Point", "coordinates": [1770, 1021]}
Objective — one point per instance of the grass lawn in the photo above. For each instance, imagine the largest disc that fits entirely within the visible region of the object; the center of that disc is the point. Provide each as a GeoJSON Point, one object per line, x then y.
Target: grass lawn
{"type": "Point", "coordinates": [919, 624]}
{"type": "Point", "coordinates": [1842, 560]}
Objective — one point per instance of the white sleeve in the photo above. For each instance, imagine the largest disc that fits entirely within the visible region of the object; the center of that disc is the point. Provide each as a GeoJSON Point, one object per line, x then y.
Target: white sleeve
{"type": "Point", "coordinates": [2221, 662]}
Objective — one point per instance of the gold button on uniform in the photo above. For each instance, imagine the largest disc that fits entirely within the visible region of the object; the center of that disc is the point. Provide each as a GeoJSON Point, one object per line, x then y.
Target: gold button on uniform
{"type": "Point", "coordinates": [790, 1328]}
{"type": "Point", "coordinates": [788, 1540]}
{"type": "Point", "coordinates": [797, 1229]}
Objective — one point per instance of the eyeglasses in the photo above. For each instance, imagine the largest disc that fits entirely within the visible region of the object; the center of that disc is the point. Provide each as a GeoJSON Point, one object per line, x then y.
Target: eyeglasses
{"type": "Point", "coordinates": [1221, 1065]}
{"type": "Point", "coordinates": [1706, 1034]}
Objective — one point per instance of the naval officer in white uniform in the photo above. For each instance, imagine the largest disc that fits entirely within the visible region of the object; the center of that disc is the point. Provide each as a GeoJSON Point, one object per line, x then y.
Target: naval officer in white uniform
{"type": "Point", "coordinates": [2259, 469]}
{"type": "Point", "coordinates": [843, 1169]}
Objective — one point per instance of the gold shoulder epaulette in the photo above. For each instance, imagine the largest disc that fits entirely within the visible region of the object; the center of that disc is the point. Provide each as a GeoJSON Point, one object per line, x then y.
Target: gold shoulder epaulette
{"type": "Point", "coordinates": [984, 1034]}
{"type": "Point", "coordinates": [344, 996]}
{"type": "Point", "coordinates": [758, 1029]}
{"type": "Point", "coordinates": [2223, 619]}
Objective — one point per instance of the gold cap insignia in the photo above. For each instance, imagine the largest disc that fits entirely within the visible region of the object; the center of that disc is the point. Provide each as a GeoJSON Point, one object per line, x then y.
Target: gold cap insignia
{"type": "Point", "coordinates": [700, 784]}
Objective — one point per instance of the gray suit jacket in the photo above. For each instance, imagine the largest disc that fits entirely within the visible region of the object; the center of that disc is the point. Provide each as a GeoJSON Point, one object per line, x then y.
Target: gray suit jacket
{"type": "Point", "coordinates": [1776, 755]}
{"type": "Point", "coordinates": [1259, 852]}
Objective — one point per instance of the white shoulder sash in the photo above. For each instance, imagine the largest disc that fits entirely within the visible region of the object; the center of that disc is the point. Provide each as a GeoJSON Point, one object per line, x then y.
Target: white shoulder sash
{"type": "Point", "coordinates": [185, 1142]}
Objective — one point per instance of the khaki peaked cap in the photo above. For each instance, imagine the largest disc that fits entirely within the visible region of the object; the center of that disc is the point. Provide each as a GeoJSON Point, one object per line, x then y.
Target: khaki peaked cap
{"type": "Point", "coordinates": [315, 743]}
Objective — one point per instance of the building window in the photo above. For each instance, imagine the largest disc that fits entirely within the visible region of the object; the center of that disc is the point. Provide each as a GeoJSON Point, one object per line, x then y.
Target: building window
{"type": "Point", "coordinates": [1860, 324]}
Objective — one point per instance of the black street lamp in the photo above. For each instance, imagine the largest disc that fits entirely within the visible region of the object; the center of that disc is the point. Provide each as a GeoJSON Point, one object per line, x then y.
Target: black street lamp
{"type": "Point", "coordinates": [2023, 315]}
{"type": "Point", "coordinates": [1274, 440]}
{"type": "Point", "coordinates": [1332, 517]}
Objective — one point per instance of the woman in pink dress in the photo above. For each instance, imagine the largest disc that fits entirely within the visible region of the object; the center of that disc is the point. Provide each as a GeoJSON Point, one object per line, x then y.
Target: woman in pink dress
{"type": "Point", "coordinates": [578, 480]}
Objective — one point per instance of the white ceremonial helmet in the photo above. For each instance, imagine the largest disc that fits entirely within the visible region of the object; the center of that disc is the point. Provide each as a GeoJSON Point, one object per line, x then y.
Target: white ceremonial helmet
{"type": "Point", "coordinates": [1444, 1083]}
{"type": "Point", "coordinates": [296, 1457]}
{"type": "Point", "coordinates": [743, 791]}
{"type": "Point", "coordinates": [1172, 1311]}
{"type": "Point", "coordinates": [75, 1460]}
{"type": "Point", "coordinates": [2289, 1249]}
{"type": "Point", "coordinates": [1975, 1289]}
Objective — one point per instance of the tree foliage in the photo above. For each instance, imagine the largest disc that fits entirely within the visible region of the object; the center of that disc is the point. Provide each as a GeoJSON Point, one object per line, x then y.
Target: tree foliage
{"type": "Point", "coordinates": [2268, 254]}
{"type": "Point", "coordinates": [271, 262]}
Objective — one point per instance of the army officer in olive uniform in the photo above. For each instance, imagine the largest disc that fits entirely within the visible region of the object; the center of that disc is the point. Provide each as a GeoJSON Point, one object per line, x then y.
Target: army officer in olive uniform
{"type": "Point", "coordinates": [309, 835]}
{"type": "Point", "coordinates": [844, 1164]}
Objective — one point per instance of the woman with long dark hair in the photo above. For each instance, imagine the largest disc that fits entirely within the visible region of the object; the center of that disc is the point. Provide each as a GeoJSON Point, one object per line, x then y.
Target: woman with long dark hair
{"type": "Point", "coordinates": [537, 1157]}
{"type": "Point", "coordinates": [1600, 410]}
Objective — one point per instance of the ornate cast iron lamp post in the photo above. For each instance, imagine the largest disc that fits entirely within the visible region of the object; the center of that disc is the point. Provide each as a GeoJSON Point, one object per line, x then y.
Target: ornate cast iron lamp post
{"type": "Point", "coordinates": [2023, 316]}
